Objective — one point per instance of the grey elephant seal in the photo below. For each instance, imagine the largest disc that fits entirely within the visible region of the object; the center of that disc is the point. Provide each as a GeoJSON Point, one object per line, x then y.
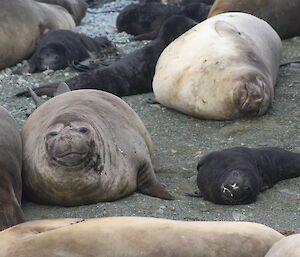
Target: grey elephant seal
{"type": "Point", "coordinates": [10, 171]}
{"type": "Point", "coordinates": [282, 15]}
{"type": "Point", "coordinates": [223, 68]}
{"type": "Point", "coordinates": [84, 147]}
{"type": "Point", "coordinates": [23, 24]}
{"type": "Point", "coordinates": [137, 236]}
{"type": "Point", "coordinates": [286, 247]}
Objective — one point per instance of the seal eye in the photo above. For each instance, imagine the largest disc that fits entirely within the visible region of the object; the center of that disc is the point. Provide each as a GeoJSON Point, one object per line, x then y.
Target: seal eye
{"type": "Point", "coordinates": [83, 130]}
{"type": "Point", "coordinates": [51, 134]}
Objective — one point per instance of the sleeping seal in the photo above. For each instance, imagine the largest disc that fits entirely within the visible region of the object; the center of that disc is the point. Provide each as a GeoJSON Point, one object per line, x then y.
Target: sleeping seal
{"type": "Point", "coordinates": [137, 236]}
{"type": "Point", "coordinates": [286, 247]}
{"type": "Point", "coordinates": [23, 24]}
{"type": "Point", "coordinates": [223, 68]}
{"type": "Point", "coordinates": [282, 15]}
{"type": "Point", "coordinates": [237, 175]}
{"type": "Point", "coordinates": [10, 171]}
{"type": "Point", "coordinates": [84, 147]}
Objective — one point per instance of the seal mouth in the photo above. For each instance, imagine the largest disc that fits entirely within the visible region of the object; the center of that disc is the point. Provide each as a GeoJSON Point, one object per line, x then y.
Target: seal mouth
{"type": "Point", "coordinates": [70, 154]}
{"type": "Point", "coordinates": [235, 194]}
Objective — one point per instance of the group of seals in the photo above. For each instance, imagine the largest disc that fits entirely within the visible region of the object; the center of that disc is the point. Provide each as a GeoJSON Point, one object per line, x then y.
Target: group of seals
{"type": "Point", "coordinates": [237, 175]}
{"type": "Point", "coordinates": [137, 236]}
{"type": "Point", "coordinates": [10, 171]}
{"type": "Point", "coordinates": [230, 73]}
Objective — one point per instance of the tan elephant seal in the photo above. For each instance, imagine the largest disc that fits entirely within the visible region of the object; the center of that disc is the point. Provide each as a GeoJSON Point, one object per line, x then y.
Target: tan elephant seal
{"type": "Point", "coordinates": [137, 236]}
{"type": "Point", "coordinates": [10, 171]}
{"type": "Point", "coordinates": [23, 24]}
{"type": "Point", "coordinates": [223, 68]}
{"type": "Point", "coordinates": [286, 247]}
{"type": "Point", "coordinates": [282, 15]}
{"type": "Point", "coordinates": [84, 147]}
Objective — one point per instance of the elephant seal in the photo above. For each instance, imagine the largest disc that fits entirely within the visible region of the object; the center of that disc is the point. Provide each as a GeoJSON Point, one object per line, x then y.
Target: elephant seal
{"type": "Point", "coordinates": [84, 147]}
{"type": "Point", "coordinates": [287, 247]}
{"type": "Point", "coordinates": [10, 171]}
{"type": "Point", "coordinates": [237, 175]}
{"type": "Point", "coordinates": [137, 236]}
{"type": "Point", "coordinates": [133, 73]}
{"type": "Point", "coordinates": [77, 8]}
{"type": "Point", "coordinates": [224, 68]}
{"type": "Point", "coordinates": [23, 24]}
{"type": "Point", "coordinates": [280, 14]}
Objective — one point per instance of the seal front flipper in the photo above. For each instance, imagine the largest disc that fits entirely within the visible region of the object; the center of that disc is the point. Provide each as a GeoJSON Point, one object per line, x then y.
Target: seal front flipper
{"type": "Point", "coordinates": [47, 90]}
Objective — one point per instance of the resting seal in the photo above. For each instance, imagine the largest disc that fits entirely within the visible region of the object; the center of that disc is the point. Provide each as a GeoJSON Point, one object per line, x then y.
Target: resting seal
{"type": "Point", "coordinates": [282, 15]}
{"type": "Point", "coordinates": [224, 68]}
{"type": "Point", "coordinates": [23, 24]}
{"type": "Point", "coordinates": [10, 171]}
{"type": "Point", "coordinates": [286, 247]}
{"type": "Point", "coordinates": [131, 74]}
{"type": "Point", "coordinates": [84, 147]}
{"type": "Point", "coordinates": [237, 175]}
{"type": "Point", "coordinates": [137, 236]}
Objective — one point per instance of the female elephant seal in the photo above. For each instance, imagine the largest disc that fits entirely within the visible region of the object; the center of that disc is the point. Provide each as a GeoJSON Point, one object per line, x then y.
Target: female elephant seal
{"type": "Point", "coordinates": [282, 15]}
{"type": "Point", "coordinates": [10, 171]}
{"type": "Point", "coordinates": [286, 247]}
{"type": "Point", "coordinates": [137, 236]}
{"type": "Point", "coordinates": [84, 147]}
{"type": "Point", "coordinates": [223, 68]}
{"type": "Point", "coordinates": [237, 175]}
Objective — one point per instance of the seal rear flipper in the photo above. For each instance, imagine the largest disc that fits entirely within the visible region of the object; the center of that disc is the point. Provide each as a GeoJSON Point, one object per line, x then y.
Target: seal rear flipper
{"type": "Point", "coordinates": [47, 90]}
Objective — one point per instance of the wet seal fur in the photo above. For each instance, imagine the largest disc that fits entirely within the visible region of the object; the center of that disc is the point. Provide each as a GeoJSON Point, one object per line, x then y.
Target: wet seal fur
{"type": "Point", "coordinates": [282, 15]}
{"type": "Point", "coordinates": [133, 73]}
{"type": "Point", "coordinates": [237, 175]}
{"type": "Point", "coordinates": [10, 171]}
{"type": "Point", "coordinates": [286, 247]}
{"type": "Point", "coordinates": [23, 24]}
{"type": "Point", "coordinates": [131, 236]}
{"type": "Point", "coordinates": [223, 68]}
{"type": "Point", "coordinates": [84, 147]}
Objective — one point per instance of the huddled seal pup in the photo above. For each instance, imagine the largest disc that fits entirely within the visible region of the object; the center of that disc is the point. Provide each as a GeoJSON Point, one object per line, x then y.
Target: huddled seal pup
{"type": "Point", "coordinates": [223, 68]}
{"type": "Point", "coordinates": [282, 15]}
{"type": "Point", "coordinates": [23, 24]}
{"type": "Point", "coordinates": [10, 171]}
{"type": "Point", "coordinates": [286, 247]}
{"type": "Point", "coordinates": [133, 73]}
{"type": "Point", "coordinates": [84, 147]}
{"type": "Point", "coordinates": [237, 175]}
{"type": "Point", "coordinates": [137, 236]}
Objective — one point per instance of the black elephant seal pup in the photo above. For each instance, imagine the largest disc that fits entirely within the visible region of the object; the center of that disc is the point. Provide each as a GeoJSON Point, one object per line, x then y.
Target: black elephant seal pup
{"type": "Point", "coordinates": [84, 147]}
{"type": "Point", "coordinates": [237, 175]}
{"type": "Point", "coordinates": [60, 48]}
{"type": "Point", "coordinates": [131, 74]}
{"type": "Point", "coordinates": [10, 171]}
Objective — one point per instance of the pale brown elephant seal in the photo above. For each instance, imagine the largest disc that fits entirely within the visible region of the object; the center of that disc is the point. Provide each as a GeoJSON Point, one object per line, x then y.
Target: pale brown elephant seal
{"type": "Point", "coordinates": [286, 247]}
{"type": "Point", "coordinates": [84, 147]}
{"type": "Point", "coordinates": [282, 15]}
{"type": "Point", "coordinates": [137, 236]}
{"type": "Point", "coordinates": [23, 24]}
{"type": "Point", "coordinates": [223, 68]}
{"type": "Point", "coordinates": [10, 171]}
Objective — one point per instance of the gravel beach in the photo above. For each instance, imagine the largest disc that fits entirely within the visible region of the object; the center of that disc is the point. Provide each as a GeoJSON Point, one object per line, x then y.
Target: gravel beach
{"type": "Point", "coordinates": [180, 140]}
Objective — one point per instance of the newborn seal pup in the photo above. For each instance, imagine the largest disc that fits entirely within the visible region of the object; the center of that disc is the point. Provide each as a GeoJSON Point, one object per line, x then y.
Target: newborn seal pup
{"type": "Point", "coordinates": [237, 175]}
{"type": "Point", "coordinates": [131, 74]}
{"type": "Point", "coordinates": [286, 247]}
{"type": "Point", "coordinates": [137, 236]}
{"type": "Point", "coordinates": [282, 15]}
{"type": "Point", "coordinates": [84, 147]}
{"type": "Point", "coordinates": [223, 68]}
{"type": "Point", "coordinates": [10, 171]}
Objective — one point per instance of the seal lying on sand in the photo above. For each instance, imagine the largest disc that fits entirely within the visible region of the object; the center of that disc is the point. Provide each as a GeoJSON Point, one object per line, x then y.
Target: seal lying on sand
{"type": "Point", "coordinates": [237, 175]}
{"type": "Point", "coordinates": [23, 24]}
{"type": "Point", "coordinates": [131, 74]}
{"type": "Point", "coordinates": [137, 236]}
{"type": "Point", "coordinates": [224, 68]}
{"type": "Point", "coordinates": [286, 247]}
{"type": "Point", "coordinates": [282, 15]}
{"type": "Point", "coordinates": [84, 147]}
{"type": "Point", "coordinates": [10, 171]}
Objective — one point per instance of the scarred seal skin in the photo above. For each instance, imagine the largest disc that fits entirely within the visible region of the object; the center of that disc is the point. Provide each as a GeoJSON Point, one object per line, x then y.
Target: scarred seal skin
{"type": "Point", "coordinates": [237, 175]}
{"type": "Point", "coordinates": [286, 247]}
{"type": "Point", "coordinates": [84, 147]}
{"type": "Point", "coordinates": [137, 236]}
{"type": "Point", "coordinates": [10, 171]}
{"type": "Point", "coordinates": [223, 68]}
